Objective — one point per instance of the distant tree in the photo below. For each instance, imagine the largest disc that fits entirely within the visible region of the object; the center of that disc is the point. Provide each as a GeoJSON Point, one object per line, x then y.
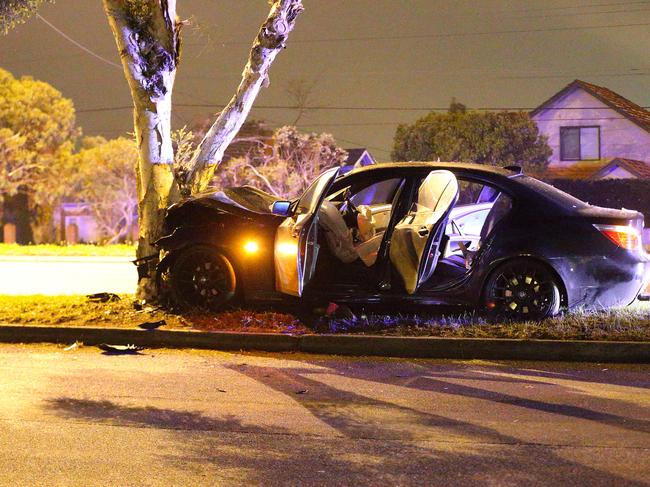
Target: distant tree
{"type": "Point", "coordinates": [38, 116]}
{"type": "Point", "coordinates": [300, 92]}
{"type": "Point", "coordinates": [16, 163]}
{"type": "Point", "coordinates": [285, 165]}
{"type": "Point", "coordinates": [14, 12]}
{"type": "Point", "coordinates": [456, 107]}
{"type": "Point", "coordinates": [42, 117]}
{"type": "Point", "coordinates": [498, 139]}
{"type": "Point", "coordinates": [104, 179]}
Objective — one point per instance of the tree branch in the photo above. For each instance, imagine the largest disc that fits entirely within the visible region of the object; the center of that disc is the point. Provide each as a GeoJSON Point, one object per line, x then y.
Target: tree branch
{"type": "Point", "coordinates": [263, 178]}
{"type": "Point", "coordinates": [270, 40]}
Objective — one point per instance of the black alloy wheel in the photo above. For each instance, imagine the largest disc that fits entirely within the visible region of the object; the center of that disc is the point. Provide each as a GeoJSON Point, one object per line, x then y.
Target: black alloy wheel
{"type": "Point", "coordinates": [202, 278]}
{"type": "Point", "coordinates": [522, 290]}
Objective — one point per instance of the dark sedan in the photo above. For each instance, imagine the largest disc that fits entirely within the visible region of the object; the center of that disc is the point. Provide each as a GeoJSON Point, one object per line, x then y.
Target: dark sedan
{"type": "Point", "coordinates": [386, 234]}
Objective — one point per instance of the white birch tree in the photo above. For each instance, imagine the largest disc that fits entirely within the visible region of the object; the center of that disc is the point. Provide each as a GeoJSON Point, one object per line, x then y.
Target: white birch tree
{"type": "Point", "coordinates": [148, 37]}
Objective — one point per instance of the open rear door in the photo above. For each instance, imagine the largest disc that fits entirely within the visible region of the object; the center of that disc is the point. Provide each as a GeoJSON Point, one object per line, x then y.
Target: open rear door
{"type": "Point", "coordinates": [296, 240]}
{"type": "Point", "coordinates": [414, 247]}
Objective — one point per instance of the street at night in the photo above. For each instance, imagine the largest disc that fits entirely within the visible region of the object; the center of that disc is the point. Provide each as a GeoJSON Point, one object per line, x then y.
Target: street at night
{"type": "Point", "coordinates": [212, 418]}
{"type": "Point", "coordinates": [324, 243]}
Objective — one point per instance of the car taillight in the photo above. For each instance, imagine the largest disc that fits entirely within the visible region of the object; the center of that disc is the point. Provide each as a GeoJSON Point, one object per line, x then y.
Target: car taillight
{"type": "Point", "coordinates": [625, 237]}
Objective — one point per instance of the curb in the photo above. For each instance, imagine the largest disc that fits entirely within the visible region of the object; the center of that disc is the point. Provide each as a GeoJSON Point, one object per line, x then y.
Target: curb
{"type": "Point", "coordinates": [352, 345]}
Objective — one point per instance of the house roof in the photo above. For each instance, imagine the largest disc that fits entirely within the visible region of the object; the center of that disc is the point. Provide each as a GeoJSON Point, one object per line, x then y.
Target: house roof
{"type": "Point", "coordinates": [639, 168]}
{"type": "Point", "coordinates": [597, 169]}
{"type": "Point", "coordinates": [354, 155]}
{"type": "Point", "coordinates": [625, 107]}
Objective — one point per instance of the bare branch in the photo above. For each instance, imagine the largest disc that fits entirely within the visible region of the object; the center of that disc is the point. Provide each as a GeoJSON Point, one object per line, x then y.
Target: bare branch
{"type": "Point", "coordinates": [300, 92]}
{"type": "Point", "coordinates": [262, 178]}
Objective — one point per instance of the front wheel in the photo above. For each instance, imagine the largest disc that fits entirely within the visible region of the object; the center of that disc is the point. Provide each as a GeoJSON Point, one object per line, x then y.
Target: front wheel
{"type": "Point", "coordinates": [522, 289]}
{"type": "Point", "coordinates": [202, 278]}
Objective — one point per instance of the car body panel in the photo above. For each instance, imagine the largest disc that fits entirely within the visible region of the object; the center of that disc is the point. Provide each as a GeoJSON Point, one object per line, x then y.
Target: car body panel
{"type": "Point", "coordinates": [296, 246]}
{"type": "Point", "coordinates": [553, 229]}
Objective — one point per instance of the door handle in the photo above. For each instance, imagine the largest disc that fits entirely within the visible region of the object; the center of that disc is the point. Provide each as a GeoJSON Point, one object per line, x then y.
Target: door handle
{"type": "Point", "coordinates": [423, 231]}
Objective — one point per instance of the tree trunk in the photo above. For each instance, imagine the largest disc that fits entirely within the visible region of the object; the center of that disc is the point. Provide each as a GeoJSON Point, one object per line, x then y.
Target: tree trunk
{"type": "Point", "coordinates": [147, 36]}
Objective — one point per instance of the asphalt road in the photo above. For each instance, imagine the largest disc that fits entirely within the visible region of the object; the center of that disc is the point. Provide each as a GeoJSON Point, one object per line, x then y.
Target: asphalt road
{"type": "Point", "coordinates": [66, 275]}
{"type": "Point", "coordinates": [211, 418]}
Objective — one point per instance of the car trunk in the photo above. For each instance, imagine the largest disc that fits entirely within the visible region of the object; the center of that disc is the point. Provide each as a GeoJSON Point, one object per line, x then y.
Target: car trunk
{"type": "Point", "coordinates": [611, 216]}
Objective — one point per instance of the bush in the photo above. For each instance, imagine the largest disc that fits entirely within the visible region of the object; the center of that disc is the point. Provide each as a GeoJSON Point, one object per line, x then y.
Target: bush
{"type": "Point", "coordinates": [633, 194]}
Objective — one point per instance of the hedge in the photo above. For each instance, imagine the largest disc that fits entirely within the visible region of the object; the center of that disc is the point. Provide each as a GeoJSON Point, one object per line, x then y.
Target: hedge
{"type": "Point", "coordinates": [633, 194]}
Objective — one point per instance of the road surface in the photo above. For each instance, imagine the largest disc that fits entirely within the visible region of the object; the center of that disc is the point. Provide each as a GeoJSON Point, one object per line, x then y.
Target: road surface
{"type": "Point", "coordinates": [67, 275]}
{"type": "Point", "coordinates": [211, 418]}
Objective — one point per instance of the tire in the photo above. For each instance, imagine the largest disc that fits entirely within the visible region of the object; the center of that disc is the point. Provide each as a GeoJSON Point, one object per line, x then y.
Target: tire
{"type": "Point", "coordinates": [202, 278]}
{"type": "Point", "coordinates": [521, 290]}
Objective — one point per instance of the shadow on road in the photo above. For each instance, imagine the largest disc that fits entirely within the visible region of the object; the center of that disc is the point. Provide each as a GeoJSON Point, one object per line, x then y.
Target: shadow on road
{"type": "Point", "coordinates": [377, 441]}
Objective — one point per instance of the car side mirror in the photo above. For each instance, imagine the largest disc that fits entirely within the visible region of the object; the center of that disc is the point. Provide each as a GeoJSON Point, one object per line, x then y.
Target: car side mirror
{"type": "Point", "coordinates": [281, 208]}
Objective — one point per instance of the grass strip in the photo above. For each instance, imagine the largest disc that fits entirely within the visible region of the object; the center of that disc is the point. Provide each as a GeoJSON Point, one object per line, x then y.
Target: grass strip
{"type": "Point", "coordinates": [627, 324]}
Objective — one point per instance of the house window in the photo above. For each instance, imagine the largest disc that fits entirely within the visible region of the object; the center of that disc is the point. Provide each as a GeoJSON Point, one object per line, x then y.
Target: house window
{"type": "Point", "coordinates": [579, 143]}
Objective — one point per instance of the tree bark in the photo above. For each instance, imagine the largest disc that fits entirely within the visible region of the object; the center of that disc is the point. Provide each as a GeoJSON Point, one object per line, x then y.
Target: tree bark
{"type": "Point", "coordinates": [147, 36]}
{"type": "Point", "coordinates": [269, 42]}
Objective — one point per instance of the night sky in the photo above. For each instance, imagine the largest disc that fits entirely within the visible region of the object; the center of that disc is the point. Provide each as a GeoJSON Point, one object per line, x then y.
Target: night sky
{"type": "Point", "coordinates": [404, 55]}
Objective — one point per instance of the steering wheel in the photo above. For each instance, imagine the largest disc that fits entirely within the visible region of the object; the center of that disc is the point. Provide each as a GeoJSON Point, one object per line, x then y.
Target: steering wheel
{"type": "Point", "coordinates": [350, 213]}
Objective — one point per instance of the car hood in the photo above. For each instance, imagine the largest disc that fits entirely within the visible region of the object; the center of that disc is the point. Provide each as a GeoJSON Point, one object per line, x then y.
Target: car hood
{"type": "Point", "coordinates": [240, 198]}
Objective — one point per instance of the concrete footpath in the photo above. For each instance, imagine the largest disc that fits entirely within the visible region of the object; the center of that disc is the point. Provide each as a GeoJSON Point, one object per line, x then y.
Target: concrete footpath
{"type": "Point", "coordinates": [353, 345]}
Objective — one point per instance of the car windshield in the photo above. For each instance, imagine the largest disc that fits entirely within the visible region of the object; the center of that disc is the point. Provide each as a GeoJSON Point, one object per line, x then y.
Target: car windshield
{"type": "Point", "coordinates": [552, 193]}
{"type": "Point", "coordinates": [310, 198]}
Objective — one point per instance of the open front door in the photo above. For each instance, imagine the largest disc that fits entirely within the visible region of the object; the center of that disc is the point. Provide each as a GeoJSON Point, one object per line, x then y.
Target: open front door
{"type": "Point", "coordinates": [415, 244]}
{"type": "Point", "coordinates": [296, 240]}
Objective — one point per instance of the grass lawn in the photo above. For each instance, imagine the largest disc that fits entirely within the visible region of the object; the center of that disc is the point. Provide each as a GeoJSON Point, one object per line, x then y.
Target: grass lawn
{"type": "Point", "coordinates": [79, 311]}
{"type": "Point", "coordinates": [80, 250]}
{"type": "Point", "coordinates": [631, 323]}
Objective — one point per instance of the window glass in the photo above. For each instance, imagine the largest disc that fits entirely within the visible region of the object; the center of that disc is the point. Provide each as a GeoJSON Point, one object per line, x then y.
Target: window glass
{"type": "Point", "coordinates": [570, 143]}
{"type": "Point", "coordinates": [589, 143]}
{"type": "Point", "coordinates": [311, 196]}
{"type": "Point", "coordinates": [468, 192]}
{"type": "Point", "coordinates": [472, 223]}
{"type": "Point", "coordinates": [551, 192]}
{"type": "Point", "coordinates": [579, 143]}
{"type": "Point", "coordinates": [379, 193]}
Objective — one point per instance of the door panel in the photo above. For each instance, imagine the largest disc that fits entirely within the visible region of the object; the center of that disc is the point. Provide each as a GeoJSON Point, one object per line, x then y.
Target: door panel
{"type": "Point", "coordinates": [414, 248]}
{"type": "Point", "coordinates": [296, 240]}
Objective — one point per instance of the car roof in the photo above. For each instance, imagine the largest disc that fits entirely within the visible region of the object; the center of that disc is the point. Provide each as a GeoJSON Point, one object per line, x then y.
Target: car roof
{"type": "Point", "coordinates": [462, 166]}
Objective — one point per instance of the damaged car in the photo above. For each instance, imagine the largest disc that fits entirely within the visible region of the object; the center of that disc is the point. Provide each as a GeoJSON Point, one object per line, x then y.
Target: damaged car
{"type": "Point", "coordinates": [406, 234]}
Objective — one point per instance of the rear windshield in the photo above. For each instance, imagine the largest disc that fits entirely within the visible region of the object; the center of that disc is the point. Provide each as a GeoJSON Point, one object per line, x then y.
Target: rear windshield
{"type": "Point", "coordinates": [552, 193]}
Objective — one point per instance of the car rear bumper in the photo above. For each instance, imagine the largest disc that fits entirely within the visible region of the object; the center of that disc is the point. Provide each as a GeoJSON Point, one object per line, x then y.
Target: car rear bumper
{"type": "Point", "coordinates": [598, 282]}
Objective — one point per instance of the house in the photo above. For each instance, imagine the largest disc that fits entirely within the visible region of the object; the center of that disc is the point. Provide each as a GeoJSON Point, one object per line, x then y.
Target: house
{"type": "Point", "coordinates": [357, 157]}
{"type": "Point", "coordinates": [594, 133]}
{"type": "Point", "coordinates": [613, 168]}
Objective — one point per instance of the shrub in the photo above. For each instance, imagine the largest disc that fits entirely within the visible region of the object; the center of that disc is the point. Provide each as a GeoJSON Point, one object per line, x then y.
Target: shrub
{"type": "Point", "coordinates": [633, 194]}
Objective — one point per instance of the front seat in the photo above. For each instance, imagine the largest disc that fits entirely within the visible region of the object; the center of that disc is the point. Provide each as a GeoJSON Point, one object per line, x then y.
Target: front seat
{"type": "Point", "coordinates": [414, 249]}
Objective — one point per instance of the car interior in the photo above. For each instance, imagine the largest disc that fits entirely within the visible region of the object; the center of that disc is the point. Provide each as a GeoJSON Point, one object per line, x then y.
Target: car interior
{"type": "Point", "coordinates": [354, 220]}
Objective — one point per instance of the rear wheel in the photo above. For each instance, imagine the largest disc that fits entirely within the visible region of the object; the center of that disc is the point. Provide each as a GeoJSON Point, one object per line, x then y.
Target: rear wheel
{"type": "Point", "coordinates": [202, 278]}
{"type": "Point", "coordinates": [522, 289]}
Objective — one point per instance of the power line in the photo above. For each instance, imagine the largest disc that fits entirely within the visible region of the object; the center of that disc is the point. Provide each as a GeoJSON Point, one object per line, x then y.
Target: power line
{"type": "Point", "coordinates": [581, 14]}
{"type": "Point", "coordinates": [347, 108]}
{"type": "Point", "coordinates": [440, 35]}
{"type": "Point", "coordinates": [490, 74]}
{"type": "Point", "coordinates": [78, 44]}
{"type": "Point", "coordinates": [578, 6]}
{"type": "Point", "coordinates": [369, 124]}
